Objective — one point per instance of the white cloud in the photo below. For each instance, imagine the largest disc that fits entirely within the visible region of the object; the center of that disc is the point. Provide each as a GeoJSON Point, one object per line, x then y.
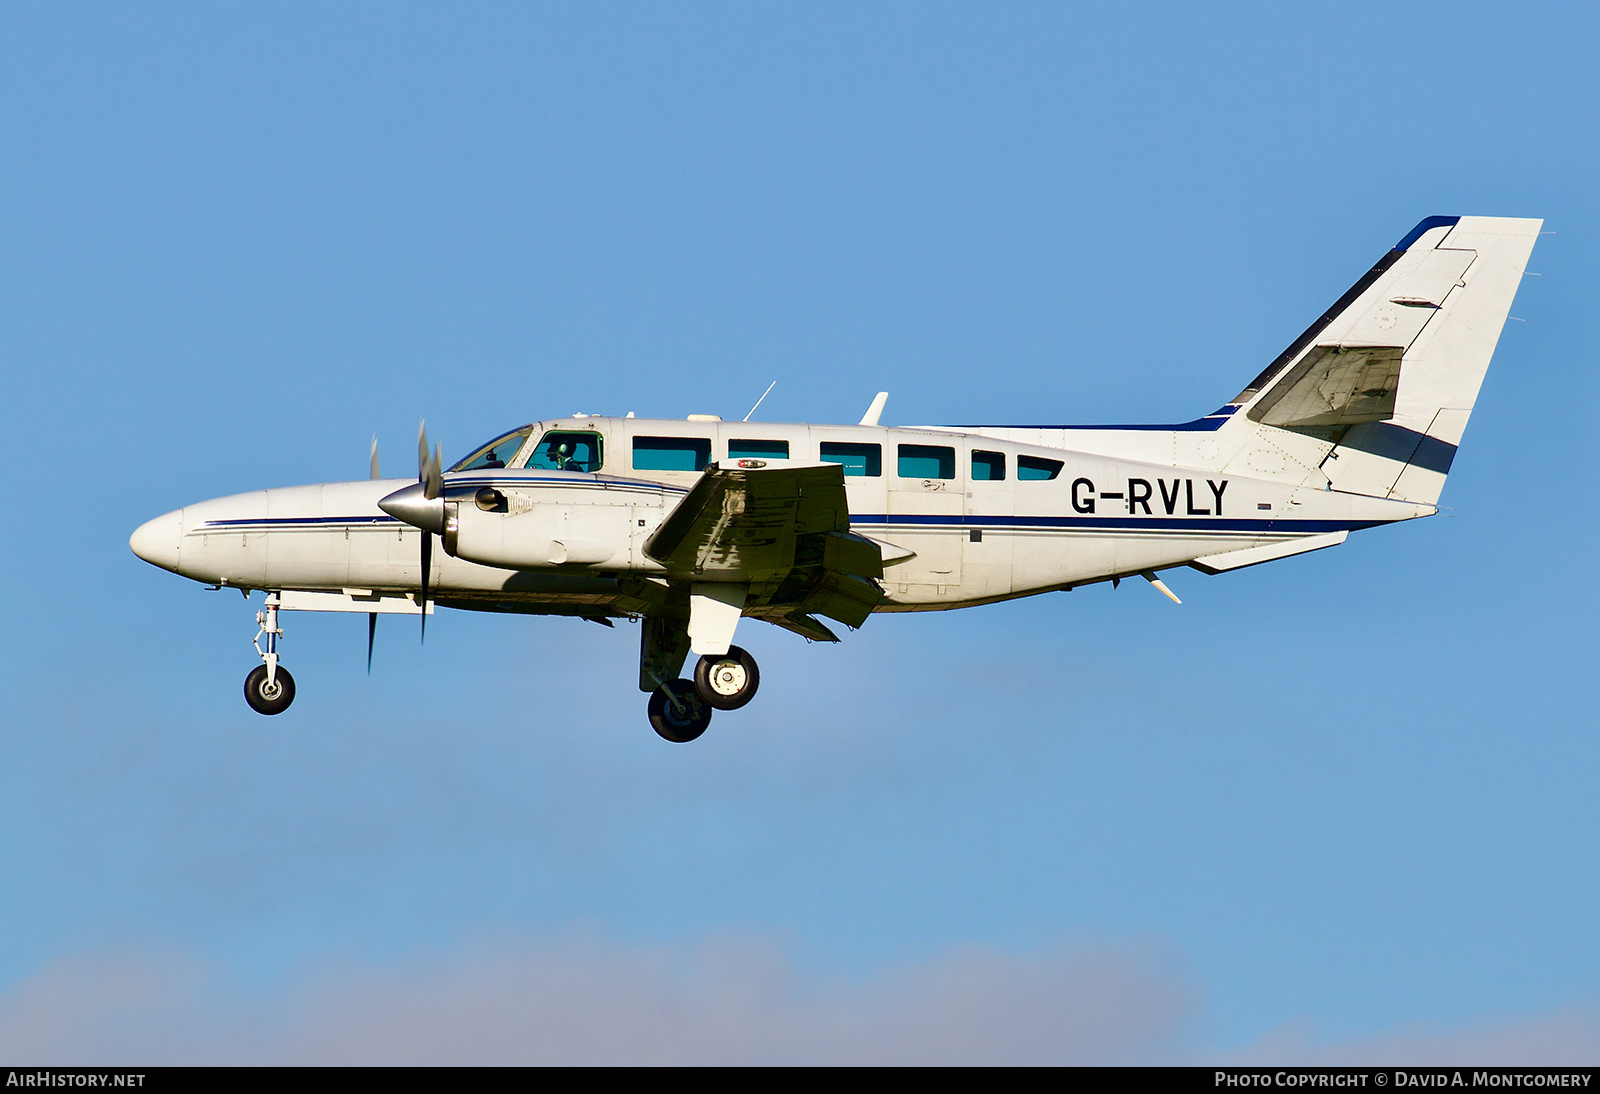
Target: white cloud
{"type": "Point", "coordinates": [728, 1000]}
{"type": "Point", "coordinates": [588, 1001]}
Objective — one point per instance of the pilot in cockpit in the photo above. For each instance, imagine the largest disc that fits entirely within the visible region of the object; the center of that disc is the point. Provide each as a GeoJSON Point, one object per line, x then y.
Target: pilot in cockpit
{"type": "Point", "coordinates": [562, 458]}
{"type": "Point", "coordinates": [493, 459]}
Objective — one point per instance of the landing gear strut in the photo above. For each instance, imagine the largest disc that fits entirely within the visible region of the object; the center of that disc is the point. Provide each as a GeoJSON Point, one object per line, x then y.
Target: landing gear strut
{"type": "Point", "coordinates": [269, 689]}
{"type": "Point", "coordinates": [681, 709]}
{"type": "Point", "coordinates": [677, 712]}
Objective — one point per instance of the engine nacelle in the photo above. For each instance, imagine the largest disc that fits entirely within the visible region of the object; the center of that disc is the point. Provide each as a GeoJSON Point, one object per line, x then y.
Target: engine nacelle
{"type": "Point", "coordinates": [488, 531]}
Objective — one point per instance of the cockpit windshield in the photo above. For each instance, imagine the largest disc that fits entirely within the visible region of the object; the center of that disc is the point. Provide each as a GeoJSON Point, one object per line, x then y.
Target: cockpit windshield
{"type": "Point", "coordinates": [497, 453]}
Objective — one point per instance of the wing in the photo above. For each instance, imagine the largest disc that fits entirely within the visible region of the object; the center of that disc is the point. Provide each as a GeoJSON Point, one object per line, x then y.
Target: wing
{"type": "Point", "coordinates": [783, 532]}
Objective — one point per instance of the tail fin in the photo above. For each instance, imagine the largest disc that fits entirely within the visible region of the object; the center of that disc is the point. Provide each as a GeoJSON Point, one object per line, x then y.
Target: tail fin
{"type": "Point", "coordinates": [1389, 374]}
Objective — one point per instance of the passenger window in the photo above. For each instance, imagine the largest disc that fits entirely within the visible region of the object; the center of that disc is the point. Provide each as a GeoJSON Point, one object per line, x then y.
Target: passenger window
{"type": "Point", "coordinates": [561, 450]}
{"type": "Point", "coordinates": [988, 466]}
{"type": "Point", "coordinates": [927, 461]}
{"type": "Point", "coordinates": [671, 453]}
{"type": "Point", "coordinates": [1032, 467]}
{"type": "Point", "coordinates": [758, 450]}
{"type": "Point", "coordinates": [856, 459]}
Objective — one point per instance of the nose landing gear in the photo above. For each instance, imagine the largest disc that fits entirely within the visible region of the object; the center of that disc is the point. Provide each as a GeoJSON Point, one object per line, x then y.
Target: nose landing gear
{"type": "Point", "coordinates": [269, 689]}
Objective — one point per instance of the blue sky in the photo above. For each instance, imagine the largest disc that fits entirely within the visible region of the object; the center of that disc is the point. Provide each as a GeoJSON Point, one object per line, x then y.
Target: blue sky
{"type": "Point", "coordinates": [1341, 807]}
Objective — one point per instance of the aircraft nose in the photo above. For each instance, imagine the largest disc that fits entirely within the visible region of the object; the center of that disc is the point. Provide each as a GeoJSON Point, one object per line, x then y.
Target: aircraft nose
{"type": "Point", "coordinates": [157, 541]}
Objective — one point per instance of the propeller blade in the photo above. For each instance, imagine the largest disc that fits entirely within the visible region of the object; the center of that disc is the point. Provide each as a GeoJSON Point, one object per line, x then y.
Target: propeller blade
{"type": "Point", "coordinates": [375, 457]}
{"type": "Point", "coordinates": [430, 475]}
{"type": "Point", "coordinates": [435, 476]}
{"type": "Point", "coordinates": [372, 632]}
{"type": "Point", "coordinates": [427, 564]}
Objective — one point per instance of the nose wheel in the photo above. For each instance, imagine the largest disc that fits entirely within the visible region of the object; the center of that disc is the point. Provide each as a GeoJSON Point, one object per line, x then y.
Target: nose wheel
{"type": "Point", "coordinates": [269, 689]}
{"type": "Point", "coordinates": [269, 696]}
{"type": "Point", "coordinates": [727, 681]}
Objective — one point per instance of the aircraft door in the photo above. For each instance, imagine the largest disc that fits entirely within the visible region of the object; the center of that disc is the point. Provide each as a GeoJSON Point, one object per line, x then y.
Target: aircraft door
{"type": "Point", "coordinates": [990, 539]}
{"type": "Point", "coordinates": [926, 504]}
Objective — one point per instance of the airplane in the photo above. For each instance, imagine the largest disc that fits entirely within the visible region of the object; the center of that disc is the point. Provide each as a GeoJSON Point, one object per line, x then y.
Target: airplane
{"type": "Point", "coordinates": [689, 527]}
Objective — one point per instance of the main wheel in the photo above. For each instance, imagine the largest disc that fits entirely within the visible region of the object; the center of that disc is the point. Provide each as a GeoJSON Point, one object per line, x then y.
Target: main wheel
{"type": "Point", "coordinates": [269, 700]}
{"type": "Point", "coordinates": [679, 722]}
{"type": "Point", "coordinates": [727, 682]}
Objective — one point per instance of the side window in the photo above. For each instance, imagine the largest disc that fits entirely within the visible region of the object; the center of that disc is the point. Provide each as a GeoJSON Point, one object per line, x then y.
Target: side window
{"type": "Point", "coordinates": [671, 453]}
{"type": "Point", "coordinates": [757, 450]}
{"type": "Point", "coordinates": [988, 466]}
{"type": "Point", "coordinates": [857, 459]}
{"type": "Point", "coordinates": [927, 461]}
{"type": "Point", "coordinates": [1033, 467]}
{"type": "Point", "coordinates": [563, 450]}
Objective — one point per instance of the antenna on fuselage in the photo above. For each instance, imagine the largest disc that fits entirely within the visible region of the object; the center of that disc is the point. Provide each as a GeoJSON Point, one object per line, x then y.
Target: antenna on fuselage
{"type": "Point", "coordinates": [764, 394]}
{"type": "Point", "coordinates": [876, 409]}
{"type": "Point", "coordinates": [1161, 586]}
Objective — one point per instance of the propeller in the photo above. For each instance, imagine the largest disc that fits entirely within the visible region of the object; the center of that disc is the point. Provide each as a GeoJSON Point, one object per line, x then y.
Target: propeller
{"type": "Point", "coordinates": [430, 475]}
{"type": "Point", "coordinates": [372, 617]}
{"type": "Point", "coordinates": [421, 505]}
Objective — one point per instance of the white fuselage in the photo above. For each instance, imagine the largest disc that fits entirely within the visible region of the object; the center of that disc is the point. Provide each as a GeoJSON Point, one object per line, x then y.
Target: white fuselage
{"type": "Point", "coordinates": [572, 541]}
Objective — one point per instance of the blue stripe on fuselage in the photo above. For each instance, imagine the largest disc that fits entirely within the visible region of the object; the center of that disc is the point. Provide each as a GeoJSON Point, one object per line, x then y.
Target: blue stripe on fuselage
{"type": "Point", "coordinates": [915, 520]}
{"type": "Point", "coordinates": [1159, 524]}
{"type": "Point", "coordinates": [273, 522]}
{"type": "Point", "coordinates": [1211, 422]}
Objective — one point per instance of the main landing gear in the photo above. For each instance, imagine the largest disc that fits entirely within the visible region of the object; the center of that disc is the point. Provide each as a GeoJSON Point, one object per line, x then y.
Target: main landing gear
{"type": "Point", "coordinates": [677, 712]}
{"type": "Point", "coordinates": [681, 709]}
{"type": "Point", "coordinates": [269, 689]}
{"type": "Point", "coordinates": [727, 682]}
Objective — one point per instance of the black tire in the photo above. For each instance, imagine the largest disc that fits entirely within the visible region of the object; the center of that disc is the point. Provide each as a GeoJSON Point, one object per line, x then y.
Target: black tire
{"type": "Point", "coordinates": [673, 724]}
{"type": "Point", "coordinates": [727, 682]}
{"type": "Point", "coordinates": [260, 699]}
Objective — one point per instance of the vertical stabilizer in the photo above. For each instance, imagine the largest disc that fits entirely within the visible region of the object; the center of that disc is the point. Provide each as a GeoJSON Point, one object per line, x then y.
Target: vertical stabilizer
{"type": "Point", "coordinates": [1377, 392]}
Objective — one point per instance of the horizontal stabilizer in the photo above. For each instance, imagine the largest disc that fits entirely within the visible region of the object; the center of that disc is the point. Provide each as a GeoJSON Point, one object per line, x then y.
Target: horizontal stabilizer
{"type": "Point", "coordinates": [1251, 556]}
